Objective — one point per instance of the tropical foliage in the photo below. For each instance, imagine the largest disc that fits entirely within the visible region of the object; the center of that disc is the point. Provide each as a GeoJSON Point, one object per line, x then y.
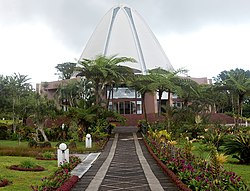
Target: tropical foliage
{"type": "Point", "coordinates": [239, 145]}
{"type": "Point", "coordinates": [196, 173]}
{"type": "Point", "coordinates": [104, 71]}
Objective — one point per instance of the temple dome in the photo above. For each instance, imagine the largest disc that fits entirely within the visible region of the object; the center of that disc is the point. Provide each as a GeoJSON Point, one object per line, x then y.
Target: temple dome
{"type": "Point", "coordinates": [123, 32]}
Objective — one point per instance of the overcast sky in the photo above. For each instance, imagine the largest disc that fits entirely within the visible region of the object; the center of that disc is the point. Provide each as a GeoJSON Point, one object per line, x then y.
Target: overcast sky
{"type": "Point", "coordinates": [203, 36]}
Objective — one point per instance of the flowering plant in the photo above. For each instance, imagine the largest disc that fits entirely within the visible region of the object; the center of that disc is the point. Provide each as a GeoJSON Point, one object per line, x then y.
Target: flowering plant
{"type": "Point", "coordinates": [61, 175]}
{"type": "Point", "coordinates": [196, 173]}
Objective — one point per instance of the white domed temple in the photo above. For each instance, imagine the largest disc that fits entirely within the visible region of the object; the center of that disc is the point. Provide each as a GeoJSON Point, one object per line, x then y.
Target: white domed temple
{"type": "Point", "coordinates": [123, 32]}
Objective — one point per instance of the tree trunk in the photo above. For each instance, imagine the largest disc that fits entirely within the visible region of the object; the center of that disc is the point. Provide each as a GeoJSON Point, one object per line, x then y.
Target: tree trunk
{"type": "Point", "coordinates": [13, 116]}
{"type": "Point", "coordinates": [159, 103]}
{"type": "Point", "coordinates": [169, 98]}
{"type": "Point", "coordinates": [109, 95]}
{"type": "Point", "coordinates": [144, 107]}
{"type": "Point", "coordinates": [239, 109]}
{"type": "Point", "coordinates": [40, 127]}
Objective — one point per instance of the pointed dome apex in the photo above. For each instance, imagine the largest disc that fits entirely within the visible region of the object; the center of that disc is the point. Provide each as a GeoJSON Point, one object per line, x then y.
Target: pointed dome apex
{"type": "Point", "coordinates": [123, 32]}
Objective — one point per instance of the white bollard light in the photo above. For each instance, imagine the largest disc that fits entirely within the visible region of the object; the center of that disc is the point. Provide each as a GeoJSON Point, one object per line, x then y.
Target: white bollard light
{"type": "Point", "coordinates": [88, 142]}
{"type": "Point", "coordinates": [62, 154]}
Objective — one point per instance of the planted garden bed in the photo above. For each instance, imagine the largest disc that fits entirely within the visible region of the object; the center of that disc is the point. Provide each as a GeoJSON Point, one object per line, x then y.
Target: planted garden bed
{"type": "Point", "coordinates": [61, 179]}
{"type": "Point", "coordinates": [20, 168]}
{"type": "Point", "coordinates": [4, 182]}
{"type": "Point", "coordinates": [196, 173]}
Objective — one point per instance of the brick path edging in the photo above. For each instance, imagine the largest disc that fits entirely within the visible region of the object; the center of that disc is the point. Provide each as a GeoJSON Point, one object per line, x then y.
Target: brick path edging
{"type": "Point", "coordinates": [68, 184]}
{"type": "Point", "coordinates": [170, 173]}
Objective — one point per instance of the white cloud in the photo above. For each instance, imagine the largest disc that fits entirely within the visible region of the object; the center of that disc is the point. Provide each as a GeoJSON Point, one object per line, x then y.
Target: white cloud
{"type": "Point", "coordinates": [210, 50]}
{"type": "Point", "coordinates": [32, 50]}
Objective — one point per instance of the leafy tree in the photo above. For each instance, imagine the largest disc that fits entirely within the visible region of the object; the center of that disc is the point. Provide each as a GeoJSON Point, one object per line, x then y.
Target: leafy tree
{"type": "Point", "coordinates": [19, 89]}
{"type": "Point", "coordinates": [237, 82]}
{"type": "Point", "coordinates": [164, 81]}
{"type": "Point", "coordinates": [66, 70]}
{"type": "Point", "coordinates": [43, 110]}
{"type": "Point", "coordinates": [188, 90]}
{"type": "Point", "coordinates": [101, 71]}
{"type": "Point", "coordinates": [212, 99]}
{"type": "Point", "coordinates": [74, 92]}
{"type": "Point", "coordinates": [5, 96]}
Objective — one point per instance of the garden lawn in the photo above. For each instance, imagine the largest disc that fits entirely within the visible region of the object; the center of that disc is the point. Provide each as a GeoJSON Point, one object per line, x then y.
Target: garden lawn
{"type": "Point", "coordinates": [21, 180]}
{"type": "Point", "coordinates": [24, 144]}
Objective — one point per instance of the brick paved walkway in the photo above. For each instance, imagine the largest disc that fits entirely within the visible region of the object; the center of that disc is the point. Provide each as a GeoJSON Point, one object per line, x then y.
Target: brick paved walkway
{"type": "Point", "coordinates": [125, 164]}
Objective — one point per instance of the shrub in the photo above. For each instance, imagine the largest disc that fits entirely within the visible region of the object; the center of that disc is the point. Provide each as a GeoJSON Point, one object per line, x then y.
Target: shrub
{"type": "Point", "coordinates": [32, 143]}
{"type": "Point", "coordinates": [27, 164]}
{"type": "Point", "coordinates": [3, 132]}
{"type": "Point", "coordinates": [97, 136]}
{"type": "Point", "coordinates": [240, 147]}
{"type": "Point", "coordinates": [214, 137]}
{"type": "Point", "coordinates": [46, 144]}
{"type": "Point", "coordinates": [48, 155]}
{"type": "Point", "coordinates": [61, 175]}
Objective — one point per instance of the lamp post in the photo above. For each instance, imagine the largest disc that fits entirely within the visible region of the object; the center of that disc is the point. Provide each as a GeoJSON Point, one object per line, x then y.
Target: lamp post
{"type": "Point", "coordinates": [62, 154]}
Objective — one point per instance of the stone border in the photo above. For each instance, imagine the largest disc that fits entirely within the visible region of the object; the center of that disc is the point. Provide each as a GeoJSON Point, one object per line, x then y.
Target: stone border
{"type": "Point", "coordinates": [167, 171]}
{"type": "Point", "coordinates": [68, 184]}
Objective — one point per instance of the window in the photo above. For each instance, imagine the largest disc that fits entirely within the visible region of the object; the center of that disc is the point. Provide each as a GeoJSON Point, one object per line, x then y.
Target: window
{"type": "Point", "coordinates": [121, 107]}
{"type": "Point", "coordinates": [139, 107]}
{"type": "Point", "coordinates": [126, 107]}
{"type": "Point", "coordinates": [123, 93]}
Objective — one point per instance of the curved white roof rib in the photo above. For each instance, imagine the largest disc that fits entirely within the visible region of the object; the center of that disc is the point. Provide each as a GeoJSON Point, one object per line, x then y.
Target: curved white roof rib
{"type": "Point", "coordinates": [123, 32]}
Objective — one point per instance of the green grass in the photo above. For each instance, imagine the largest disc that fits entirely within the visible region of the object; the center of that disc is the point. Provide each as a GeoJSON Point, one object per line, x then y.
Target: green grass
{"type": "Point", "coordinates": [22, 146]}
{"type": "Point", "coordinates": [8, 143]}
{"type": "Point", "coordinates": [7, 122]}
{"type": "Point", "coordinates": [21, 181]}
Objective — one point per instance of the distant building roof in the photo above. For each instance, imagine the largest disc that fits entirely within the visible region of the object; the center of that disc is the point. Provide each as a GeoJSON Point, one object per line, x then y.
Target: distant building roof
{"type": "Point", "coordinates": [203, 80]}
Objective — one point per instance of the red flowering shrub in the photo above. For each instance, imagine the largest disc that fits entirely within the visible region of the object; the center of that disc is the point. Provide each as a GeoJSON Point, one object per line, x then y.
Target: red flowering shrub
{"type": "Point", "coordinates": [195, 172]}
{"type": "Point", "coordinates": [61, 175]}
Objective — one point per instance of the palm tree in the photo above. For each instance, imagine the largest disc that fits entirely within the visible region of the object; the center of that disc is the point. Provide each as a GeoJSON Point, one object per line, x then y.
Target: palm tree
{"type": "Point", "coordinates": [120, 75]}
{"type": "Point", "coordinates": [188, 90]}
{"type": "Point", "coordinates": [237, 82]}
{"type": "Point", "coordinates": [164, 81]}
{"type": "Point", "coordinates": [101, 71]}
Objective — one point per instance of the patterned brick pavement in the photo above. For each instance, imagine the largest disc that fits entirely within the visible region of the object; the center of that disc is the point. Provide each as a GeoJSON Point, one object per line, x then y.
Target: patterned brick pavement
{"type": "Point", "coordinates": [126, 168]}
